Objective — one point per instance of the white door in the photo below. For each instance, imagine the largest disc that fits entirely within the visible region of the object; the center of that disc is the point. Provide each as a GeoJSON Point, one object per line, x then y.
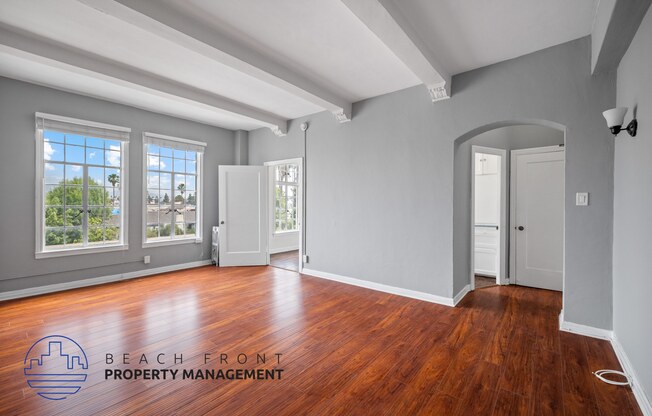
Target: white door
{"type": "Point", "coordinates": [243, 215]}
{"type": "Point", "coordinates": [538, 220]}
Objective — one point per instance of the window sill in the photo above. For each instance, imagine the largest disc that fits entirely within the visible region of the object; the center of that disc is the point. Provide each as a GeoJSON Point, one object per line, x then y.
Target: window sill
{"type": "Point", "coordinates": [172, 242]}
{"type": "Point", "coordinates": [78, 251]}
{"type": "Point", "coordinates": [284, 232]}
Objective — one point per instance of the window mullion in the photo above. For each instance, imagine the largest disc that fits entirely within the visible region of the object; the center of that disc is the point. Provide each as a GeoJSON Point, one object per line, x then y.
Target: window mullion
{"type": "Point", "coordinates": [173, 225]}
{"type": "Point", "coordinates": [85, 204]}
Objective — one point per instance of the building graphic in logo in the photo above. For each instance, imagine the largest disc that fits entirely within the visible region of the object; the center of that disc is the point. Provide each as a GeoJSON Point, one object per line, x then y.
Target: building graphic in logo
{"type": "Point", "coordinates": [56, 367]}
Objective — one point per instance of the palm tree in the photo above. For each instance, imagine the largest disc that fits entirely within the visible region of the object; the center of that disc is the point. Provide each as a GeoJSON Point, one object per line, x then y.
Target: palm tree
{"type": "Point", "coordinates": [114, 179]}
{"type": "Point", "coordinates": [182, 189]}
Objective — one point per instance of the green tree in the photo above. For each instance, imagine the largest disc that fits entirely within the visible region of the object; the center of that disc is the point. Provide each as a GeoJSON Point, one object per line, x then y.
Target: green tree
{"type": "Point", "coordinates": [166, 199]}
{"type": "Point", "coordinates": [114, 179]}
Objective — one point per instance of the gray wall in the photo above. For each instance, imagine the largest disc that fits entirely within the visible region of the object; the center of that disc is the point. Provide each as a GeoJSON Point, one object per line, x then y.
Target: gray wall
{"type": "Point", "coordinates": [632, 278]}
{"type": "Point", "coordinates": [507, 138]}
{"type": "Point", "coordinates": [380, 188]}
{"type": "Point", "coordinates": [18, 267]}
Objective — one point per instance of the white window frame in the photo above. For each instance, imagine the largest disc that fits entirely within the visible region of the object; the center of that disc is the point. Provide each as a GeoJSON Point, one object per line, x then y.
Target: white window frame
{"type": "Point", "coordinates": [40, 250]}
{"type": "Point", "coordinates": [199, 191]}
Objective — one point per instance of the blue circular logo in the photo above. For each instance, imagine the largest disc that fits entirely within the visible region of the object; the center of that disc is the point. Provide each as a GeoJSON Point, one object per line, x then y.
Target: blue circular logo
{"type": "Point", "coordinates": [56, 367]}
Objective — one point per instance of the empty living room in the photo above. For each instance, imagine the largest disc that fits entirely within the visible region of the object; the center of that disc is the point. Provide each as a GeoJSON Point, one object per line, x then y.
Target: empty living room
{"type": "Point", "coordinates": [325, 207]}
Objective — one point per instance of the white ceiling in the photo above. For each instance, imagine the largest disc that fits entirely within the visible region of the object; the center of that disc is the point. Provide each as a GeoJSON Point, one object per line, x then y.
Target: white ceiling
{"type": "Point", "coordinates": [282, 59]}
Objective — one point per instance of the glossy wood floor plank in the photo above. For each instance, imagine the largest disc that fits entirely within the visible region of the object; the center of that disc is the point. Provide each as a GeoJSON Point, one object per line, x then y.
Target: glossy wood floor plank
{"type": "Point", "coordinates": [346, 350]}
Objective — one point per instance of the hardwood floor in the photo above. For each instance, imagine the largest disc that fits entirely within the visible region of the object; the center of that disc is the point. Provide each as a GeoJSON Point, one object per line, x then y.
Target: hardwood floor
{"type": "Point", "coordinates": [288, 260]}
{"type": "Point", "coordinates": [346, 350]}
{"type": "Point", "coordinates": [484, 281]}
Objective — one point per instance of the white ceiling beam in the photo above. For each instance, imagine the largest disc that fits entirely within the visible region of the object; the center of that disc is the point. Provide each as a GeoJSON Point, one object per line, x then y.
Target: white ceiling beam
{"type": "Point", "coordinates": [39, 49]}
{"type": "Point", "coordinates": [155, 18]}
{"type": "Point", "coordinates": [384, 19]}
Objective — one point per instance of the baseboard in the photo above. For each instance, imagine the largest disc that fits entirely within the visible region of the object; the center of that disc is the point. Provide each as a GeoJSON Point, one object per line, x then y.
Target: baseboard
{"type": "Point", "coordinates": [40, 290]}
{"type": "Point", "coordinates": [283, 249]}
{"type": "Point", "coordinates": [383, 288]}
{"type": "Point", "coordinates": [639, 393]}
{"type": "Point", "coordinates": [457, 298]}
{"type": "Point", "coordinates": [585, 330]}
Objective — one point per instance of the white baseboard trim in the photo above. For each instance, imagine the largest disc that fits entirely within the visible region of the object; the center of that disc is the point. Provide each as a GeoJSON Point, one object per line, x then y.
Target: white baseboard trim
{"type": "Point", "coordinates": [639, 393]}
{"type": "Point", "coordinates": [40, 290]}
{"type": "Point", "coordinates": [457, 298]}
{"type": "Point", "coordinates": [589, 331]}
{"type": "Point", "coordinates": [283, 249]}
{"type": "Point", "coordinates": [585, 330]}
{"type": "Point", "coordinates": [381, 287]}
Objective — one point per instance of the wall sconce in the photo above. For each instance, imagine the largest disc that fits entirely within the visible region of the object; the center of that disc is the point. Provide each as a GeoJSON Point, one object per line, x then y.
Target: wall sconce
{"type": "Point", "coordinates": [615, 119]}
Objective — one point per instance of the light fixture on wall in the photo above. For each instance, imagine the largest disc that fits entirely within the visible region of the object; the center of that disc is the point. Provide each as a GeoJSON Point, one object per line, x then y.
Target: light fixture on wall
{"type": "Point", "coordinates": [616, 117]}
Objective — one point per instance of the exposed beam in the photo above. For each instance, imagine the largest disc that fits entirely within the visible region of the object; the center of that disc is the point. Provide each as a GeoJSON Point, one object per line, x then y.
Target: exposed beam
{"type": "Point", "coordinates": [390, 26]}
{"type": "Point", "coordinates": [46, 51]}
{"type": "Point", "coordinates": [155, 18]}
{"type": "Point", "coordinates": [615, 25]}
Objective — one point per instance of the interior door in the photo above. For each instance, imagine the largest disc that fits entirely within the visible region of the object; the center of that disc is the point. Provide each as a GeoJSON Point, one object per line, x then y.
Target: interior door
{"type": "Point", "coordinates": [539, 217]}
{"type": "Point", "coordinates": [243, 215]}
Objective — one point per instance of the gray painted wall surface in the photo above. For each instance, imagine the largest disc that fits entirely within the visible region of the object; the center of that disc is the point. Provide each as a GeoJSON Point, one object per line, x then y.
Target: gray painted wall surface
{"type": "Point", "coordinates": [508, 138]}
{"type": "Point", "coordinates": [380, 188]}
{"type": "Point", "coordinates": [18, 267]}
{"type": "Point", "coordinates": [632, 206]}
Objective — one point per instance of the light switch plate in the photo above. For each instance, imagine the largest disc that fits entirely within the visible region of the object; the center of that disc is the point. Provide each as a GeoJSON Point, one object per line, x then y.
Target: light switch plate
{"type": "Point", "coordinates": [582, 199]}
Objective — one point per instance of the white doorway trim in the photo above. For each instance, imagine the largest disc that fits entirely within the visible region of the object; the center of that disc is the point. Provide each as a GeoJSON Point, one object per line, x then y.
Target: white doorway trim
{"type": "Point", "coordinates": [512, 210]}
{"type": "Point", "coordinates": [270, 204]}
{"type": "Point", "coordinates": [501, 275]}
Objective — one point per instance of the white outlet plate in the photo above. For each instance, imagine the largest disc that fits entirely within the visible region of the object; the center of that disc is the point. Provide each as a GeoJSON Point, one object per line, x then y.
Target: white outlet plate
{"type": "Point", "coordinates": [147, 259]}
{"type": "Point", "coordinates": [582, 199]}
{"type": "Point", "coordinates": [305, 258]}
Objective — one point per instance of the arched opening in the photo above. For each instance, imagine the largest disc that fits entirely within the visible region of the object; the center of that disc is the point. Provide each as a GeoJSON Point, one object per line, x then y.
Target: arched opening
{"type": "Point", "coordinates": [487, 248]}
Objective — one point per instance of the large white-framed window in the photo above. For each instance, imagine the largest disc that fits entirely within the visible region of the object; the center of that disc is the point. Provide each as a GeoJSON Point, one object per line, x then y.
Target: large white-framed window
{"type": "Point", "coordinates": [172, 192]}
{"type": "Point", "coordinates": [286, 191]}
{"type": "Point", "coordinates": [81, 186]}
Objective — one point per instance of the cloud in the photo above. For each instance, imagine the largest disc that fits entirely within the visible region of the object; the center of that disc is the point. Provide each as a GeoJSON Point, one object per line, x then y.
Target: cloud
{"type": "Point", "coordinates": [75, 168]}
{"type": "Point", "coordinates": [113, 158]}
{"type": "Point", "coordinates": [48, 151]}
{"type": "Point", "coordinates": [49, 166]}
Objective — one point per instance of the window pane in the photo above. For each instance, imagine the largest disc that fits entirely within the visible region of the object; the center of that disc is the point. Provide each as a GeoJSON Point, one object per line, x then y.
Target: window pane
{"type": "Point", "coordinates": [74, 154]}
{"type": "Point", "coordinates": [74, 139]}
{"type": "Point", "coordinates": [152, 162]}
{"type": "Point", "coordinates": [191, 182]}
{"type": "Point", "coordinates": [97, 196]}
{"type": "Point", "coordinates": [191, 199]}
{"type": "Point", "coordinates": [189, 215]}
{"type": "Point", "coordinates": [179, 165]}
{"type": "Point", "coordinates": [178, 229]}
{"type": "Point", "coordinates": [113, 196]}
{"type": "Point", "coordinates": [96, 216]}
{"type": "Point", "coordinates": [191, 155]}
{"type": "Point", "coordinates": [165, 219]}
{"type": "Point", "coordinates": [152, 180]}
{"type": "Point", "coordinates": [152, 149]}
{"type": "Point", "coordinates": [74, 175]}
{"type": "Point", "coordinates": [54, 195]}
{"type": "Point", "coordinates": [152, 197]}
{"type": "Point", "coordinates": [74, 216]}
{"type": "Point", "coordinates": [112, 234]}
{"type": "Point", "coordinates": [112, 157]}
{"type": "Point", "coordinates": [179, 154]}
{"type": "Point", "coordinates": [73, 195]}
{"type": "Point", "coordinates": [114, 217]}
{"type": "Point", "coordinates": [53, 216]}
{"type": "Point", "coordinates": [165, 230]}
{"type": "Point", "coordinates": [73, 236]}
{"type": "Point", "coordinates": [112, 177]}
{"type": "Point", "coordinates": [94, 156]}
{"type": "Point", "coordinates": [95, 142]}
{"type": "Point", "coordinates": [292, 173]}
{"type": "Point", "coordinates": [165, 181]}
{"type": "Point", "coordinates": [152, 231]}
{"type": "Point", "coordinates": [165, 164]}
{"type": "Point", "coordinates": [292, 191]}
{"type": "Point", "coordinates": [95, 176]}
{"type": "Point", "coordinates": [53, 136]}
{"type": "Point", "coordinates": [53, 151]}
{"type": "Point", "coordinates": [191, 167]}
{"type": "Point", "coordinates": [53, 173]}
{"type": "Point", "coordinates": [112, 145]}
{"type": "Point", "coordinates": [165, 198]}
{"type": "Point", "coordinates": [152, 215]}
{"type": "Point", "coordinates": [95, 234]}
{"type": "Point", "coordinates": [54, 237]}
{"type": "Point", "coordinates": [166, 152]}
{"type": "Point", "coordinates": [190, 230]}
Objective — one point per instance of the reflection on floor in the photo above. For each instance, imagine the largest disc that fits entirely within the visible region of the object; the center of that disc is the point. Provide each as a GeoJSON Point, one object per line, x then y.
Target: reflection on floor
{"type": "Point", "coordinates": [288, 260]}
{"type": "Point", "coordinates": [484, 281]}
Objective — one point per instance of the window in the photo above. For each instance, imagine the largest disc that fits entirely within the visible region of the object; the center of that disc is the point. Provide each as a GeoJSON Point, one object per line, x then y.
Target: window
{"type": "Point", "coordinates": [80, 174]}
{"type": "Point", "coordinates": [286, 185]}
{"type": "Point", "coordinates": [172, 194]}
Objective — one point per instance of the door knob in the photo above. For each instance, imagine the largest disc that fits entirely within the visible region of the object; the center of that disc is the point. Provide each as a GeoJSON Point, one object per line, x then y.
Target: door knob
{"type": "Point", "coordinates": [520, 228]}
